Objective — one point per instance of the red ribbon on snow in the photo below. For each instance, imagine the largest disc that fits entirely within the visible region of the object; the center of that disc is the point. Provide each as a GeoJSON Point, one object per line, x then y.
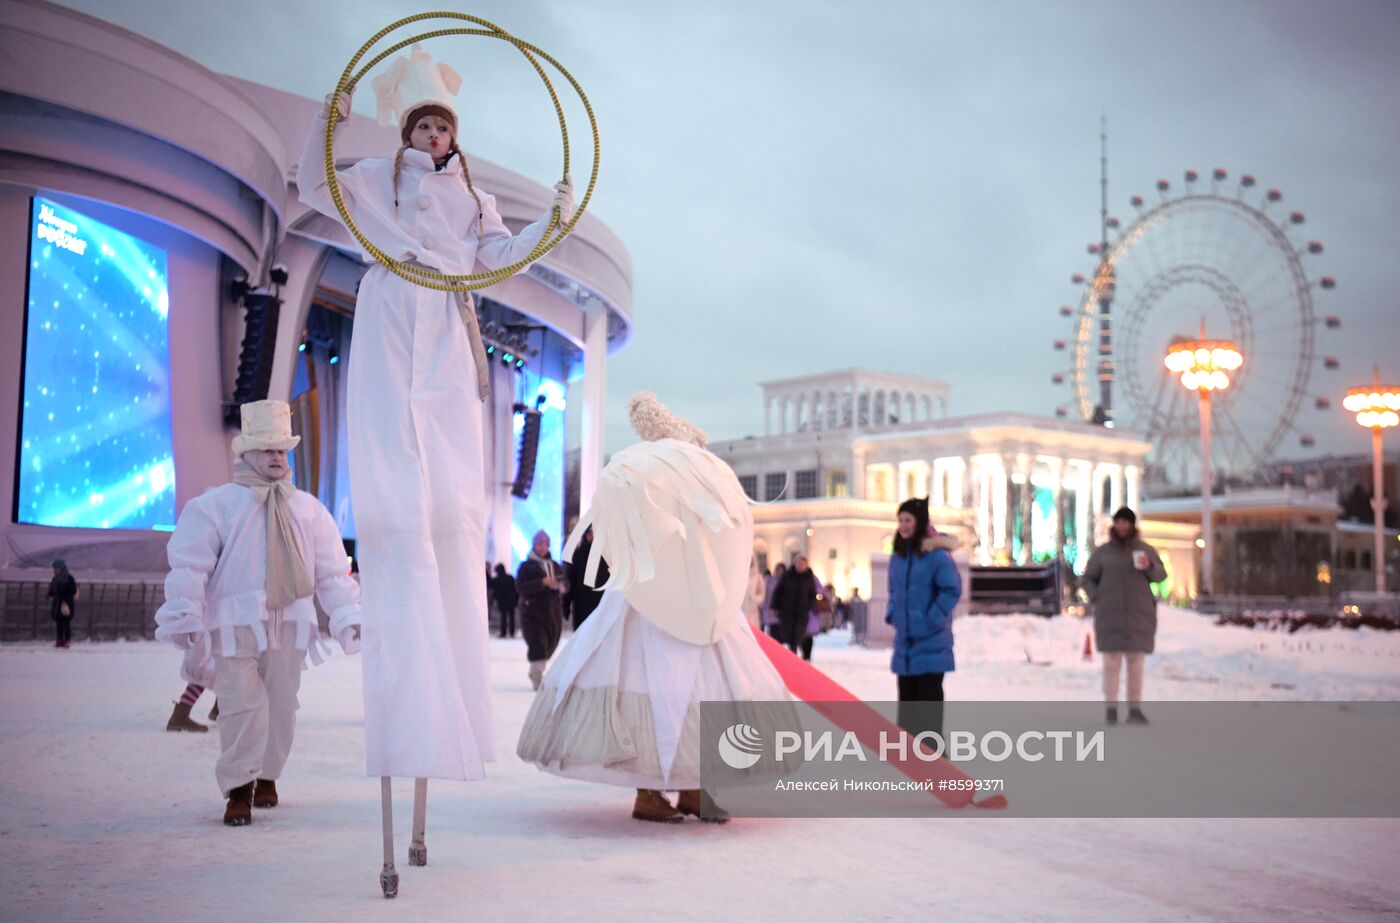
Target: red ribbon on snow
{"type": "Point", "coordinates": [833, 701]}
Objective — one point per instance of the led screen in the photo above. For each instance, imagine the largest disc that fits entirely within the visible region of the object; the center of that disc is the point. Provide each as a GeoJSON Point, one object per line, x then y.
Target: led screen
{"type": "Point", "coordinates": [95, 436]}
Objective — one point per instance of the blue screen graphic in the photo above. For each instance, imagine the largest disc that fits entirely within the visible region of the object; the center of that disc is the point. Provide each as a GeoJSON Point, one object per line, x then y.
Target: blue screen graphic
{"type": "Point", "coordinates": [544, 509]}
{"type": "Point", "coordinates": [95, 441]}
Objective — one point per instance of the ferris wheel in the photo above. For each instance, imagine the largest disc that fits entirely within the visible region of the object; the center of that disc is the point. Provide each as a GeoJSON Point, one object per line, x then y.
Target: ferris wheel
{"type": "Point", "coordinates": [1215, 254]}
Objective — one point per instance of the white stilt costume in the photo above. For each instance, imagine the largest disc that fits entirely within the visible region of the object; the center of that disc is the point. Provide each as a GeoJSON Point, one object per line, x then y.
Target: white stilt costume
{"type": "Point", "coordinates": [417, 379]}
{"type": "Point", "coordinates": [620, 705]}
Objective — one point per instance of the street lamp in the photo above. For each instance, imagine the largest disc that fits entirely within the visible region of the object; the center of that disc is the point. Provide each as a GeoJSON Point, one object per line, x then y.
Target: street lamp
{"type": "Point", "coordinates": [1377, 407]}
{"type": "Point", "coordinates": [1205, 366]}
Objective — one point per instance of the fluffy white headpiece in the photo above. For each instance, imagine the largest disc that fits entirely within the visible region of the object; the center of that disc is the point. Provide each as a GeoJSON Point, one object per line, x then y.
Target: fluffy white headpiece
{"type": "Point", "coordinates": [413, 81]}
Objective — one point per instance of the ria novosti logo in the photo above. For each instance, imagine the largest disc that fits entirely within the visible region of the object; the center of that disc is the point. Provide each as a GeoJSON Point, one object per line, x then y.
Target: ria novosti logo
{"type": "Point", "coordinates": [741, 746]}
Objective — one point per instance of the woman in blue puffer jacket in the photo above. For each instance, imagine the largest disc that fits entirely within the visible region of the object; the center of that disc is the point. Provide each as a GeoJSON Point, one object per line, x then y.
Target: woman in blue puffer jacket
{"type": "Point", "coordinates": [924, 586]}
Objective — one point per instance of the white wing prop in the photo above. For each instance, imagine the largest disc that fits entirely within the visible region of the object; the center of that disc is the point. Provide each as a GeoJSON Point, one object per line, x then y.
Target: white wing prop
{"type": "Point", "coordinates": [674, 525]}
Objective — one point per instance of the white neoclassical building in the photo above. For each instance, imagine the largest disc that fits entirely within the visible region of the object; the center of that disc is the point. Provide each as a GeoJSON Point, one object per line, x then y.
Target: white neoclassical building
{"type": "Point", "coordinates": [841, 450]}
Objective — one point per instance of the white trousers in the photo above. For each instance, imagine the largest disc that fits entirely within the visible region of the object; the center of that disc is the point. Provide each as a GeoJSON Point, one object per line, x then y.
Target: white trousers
{"type": "Point", "coordinates": [1112, 669]}
{"type": "Point", "coordinates": [257, 693]}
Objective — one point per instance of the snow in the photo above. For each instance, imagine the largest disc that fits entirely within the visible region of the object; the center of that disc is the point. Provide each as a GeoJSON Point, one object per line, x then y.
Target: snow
{"type": "Point", "coordinates": [105, 816]}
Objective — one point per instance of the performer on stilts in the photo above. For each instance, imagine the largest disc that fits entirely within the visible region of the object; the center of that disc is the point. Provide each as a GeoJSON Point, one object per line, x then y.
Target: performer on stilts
{"type": "Point", "coordinates": [620, 705]}
{"type": "Point", "coordinates": [418, 377]}
{"type": "Point", "coordinates": [245, 559]}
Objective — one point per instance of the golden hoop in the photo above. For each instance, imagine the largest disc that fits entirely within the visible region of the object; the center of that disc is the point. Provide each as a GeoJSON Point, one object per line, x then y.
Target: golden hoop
{"type": "Point", "coordinates": [429, 278]}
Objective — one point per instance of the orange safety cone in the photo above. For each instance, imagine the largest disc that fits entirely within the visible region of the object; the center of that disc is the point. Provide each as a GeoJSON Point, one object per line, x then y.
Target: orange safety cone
{"type": "Point", "coordinates": [1088, 646]}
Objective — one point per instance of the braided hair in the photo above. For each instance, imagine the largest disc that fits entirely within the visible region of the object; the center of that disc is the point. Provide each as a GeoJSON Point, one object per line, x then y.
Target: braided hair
{"type": "Point", "coordinates": [407, 131]}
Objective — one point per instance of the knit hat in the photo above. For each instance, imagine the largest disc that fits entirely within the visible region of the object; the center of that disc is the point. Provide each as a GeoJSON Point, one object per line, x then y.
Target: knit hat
{"type": "Point", "coordinates": [1125, 513]}
{"type": "Point", "coordinates": [266, 425]}
{"type": "Point", "coordinates": [413, 82]}
{"type": "Point", "coordinates": [60, 564]}
{"type": "Point", "coordinates": [540, 536]}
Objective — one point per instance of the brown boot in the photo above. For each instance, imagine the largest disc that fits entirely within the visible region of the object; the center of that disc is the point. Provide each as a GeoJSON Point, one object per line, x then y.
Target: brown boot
{"type": "Point", "coordinates": [239, 812]}
{"type": "Point", "coordinates": [652, 805]}
{"type": "Point", "coordinates": [265, 794]}
{"type": "Point", "coordinates": [180, 720]}
{"type": "Point", "coordinates": [697, 803]}
{"type": "Point", "coordinates": [214, 712]}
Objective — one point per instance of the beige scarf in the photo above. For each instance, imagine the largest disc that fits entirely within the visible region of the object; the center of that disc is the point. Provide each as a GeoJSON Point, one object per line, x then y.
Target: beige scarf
{"type": "Point", "coordinates": [287, 577]}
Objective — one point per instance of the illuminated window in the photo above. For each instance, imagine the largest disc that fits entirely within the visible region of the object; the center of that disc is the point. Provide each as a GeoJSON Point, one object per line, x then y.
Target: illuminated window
{"type": "Point", "coordinates": [836, 483]}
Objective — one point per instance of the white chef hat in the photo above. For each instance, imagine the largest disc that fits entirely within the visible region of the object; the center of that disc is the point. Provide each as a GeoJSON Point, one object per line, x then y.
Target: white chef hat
{"type": "Point", "coordinates": [412, 82]}
{"type": "Point", "coordinates": [674, 525]}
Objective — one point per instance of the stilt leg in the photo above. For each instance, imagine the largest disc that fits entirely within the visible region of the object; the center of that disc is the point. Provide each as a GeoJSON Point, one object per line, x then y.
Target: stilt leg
{"type": "Point", "coordinates": [388, 877]}
{"type": "Point", "coordinates": [418, 850]}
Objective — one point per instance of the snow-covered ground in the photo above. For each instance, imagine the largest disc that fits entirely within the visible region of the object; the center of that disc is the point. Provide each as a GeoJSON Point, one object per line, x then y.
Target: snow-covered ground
{"type": "Point", "coordinates": [104, 816]}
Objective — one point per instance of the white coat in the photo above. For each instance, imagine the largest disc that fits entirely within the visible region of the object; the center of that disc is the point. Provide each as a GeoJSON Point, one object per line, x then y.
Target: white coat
{"type": "Point", "coordinates": [218, 574]}
{"type": "Point", "coordinates": [417, 467]}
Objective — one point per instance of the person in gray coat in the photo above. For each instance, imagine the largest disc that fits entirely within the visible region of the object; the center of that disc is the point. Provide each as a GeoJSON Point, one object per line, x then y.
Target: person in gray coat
{"type": "Point", "coordinates": [1118, 581]}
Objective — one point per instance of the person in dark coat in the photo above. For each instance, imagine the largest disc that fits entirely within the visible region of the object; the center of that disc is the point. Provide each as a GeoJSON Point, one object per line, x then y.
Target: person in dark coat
{"type": "Point", "coordinates": [541, 584]}
{"type": "Point", "coordinates": [507, 598]}
{"type": "Point", "coordinates": [1118, 581]}
{"type": "Point", "coordinates": [924, 588]}
{"type": "Point", "coordinates": [793, 600]}
{"type": "Point", "coordinates": [583, 597]}
{"type": "Point", "coordinates": [63, 593]}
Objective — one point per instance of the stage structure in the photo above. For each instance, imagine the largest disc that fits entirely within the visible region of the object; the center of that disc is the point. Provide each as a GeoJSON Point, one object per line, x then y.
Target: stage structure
{"type": "Point", "coordinates": [158, 267]}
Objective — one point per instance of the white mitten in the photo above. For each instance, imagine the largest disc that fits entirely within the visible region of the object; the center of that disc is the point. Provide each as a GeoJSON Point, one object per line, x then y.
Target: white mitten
{"type": "Point", "coordinates": [349, 639]}
{"type": "Point", "coordinates": [564, 199]}
{"type": "Point", "coordinates": [340, 106]}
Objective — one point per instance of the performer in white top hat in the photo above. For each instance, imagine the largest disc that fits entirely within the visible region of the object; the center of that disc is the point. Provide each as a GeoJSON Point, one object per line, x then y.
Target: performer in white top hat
{"type": "Point", "coordinates": [245, 559]}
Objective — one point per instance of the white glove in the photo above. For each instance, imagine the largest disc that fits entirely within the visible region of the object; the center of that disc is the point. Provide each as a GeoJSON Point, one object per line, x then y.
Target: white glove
{"type": "Point", "coordinates": [349, 639]}
{"type": "Point", "coordinates": [564, 199]}
{"type": "Point", "coordinates": [340, 106]}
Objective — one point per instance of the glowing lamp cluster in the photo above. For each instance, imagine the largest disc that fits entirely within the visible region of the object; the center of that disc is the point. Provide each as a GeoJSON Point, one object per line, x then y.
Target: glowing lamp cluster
{"type": "Point", "coordinates": [1376, 406]}
{"type": "Point", "coordinates": [1204, 365]}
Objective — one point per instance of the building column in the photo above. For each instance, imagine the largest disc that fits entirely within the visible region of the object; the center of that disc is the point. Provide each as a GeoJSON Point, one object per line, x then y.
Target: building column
{"type": "Point", "coordinates": [595, 396]}
{"type": "Point", "coordinates": [1096, 491]}
{"type": "Point", "coordinates": [1132, 475]}
{"type": "Point", "coordinates": [1024, 464]}
{"type": "Point", "coordinates": [982, 510]}
{"type": "Point", "coordinates": [1008, 507]}
{"type": "Point", "coordinates": [305, 262]}
{"type": "Point", "coordinates": [1116, 498]}
{"type": "Point", "coordinates": [1057, 493]}
{"type": "Point", "coordinates": [1085, 511]}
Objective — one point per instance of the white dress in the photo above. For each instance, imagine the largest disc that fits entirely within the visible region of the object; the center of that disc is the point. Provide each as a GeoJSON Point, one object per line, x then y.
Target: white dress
{"type": "Point", "coordinates": [620, 705]}
{"type": "Point", "coordinates": [417, 467]}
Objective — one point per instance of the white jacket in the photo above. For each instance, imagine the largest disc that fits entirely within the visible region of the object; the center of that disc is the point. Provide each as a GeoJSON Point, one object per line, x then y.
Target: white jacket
{"type": "Point", "coordinates": [218, 568]}
{"type": "Point", "coordinates": [435, 220]}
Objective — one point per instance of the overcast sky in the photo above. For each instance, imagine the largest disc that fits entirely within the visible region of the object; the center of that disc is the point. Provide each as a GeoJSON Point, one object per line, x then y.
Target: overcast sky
{"type": "Point", "coordinates": [806, 186]}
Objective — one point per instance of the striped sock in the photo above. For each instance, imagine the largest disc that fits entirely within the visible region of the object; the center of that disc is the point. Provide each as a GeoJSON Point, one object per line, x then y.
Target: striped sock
{"type": "Point", "coordinates": [192, 694]}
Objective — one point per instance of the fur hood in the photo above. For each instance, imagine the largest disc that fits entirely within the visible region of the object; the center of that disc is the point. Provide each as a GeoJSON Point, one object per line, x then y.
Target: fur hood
{"type": "Point", "coordinates": [940, 540]}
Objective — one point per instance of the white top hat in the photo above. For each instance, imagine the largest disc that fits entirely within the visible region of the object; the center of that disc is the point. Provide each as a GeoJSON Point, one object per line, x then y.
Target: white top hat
{"type": "Point", "coordinates": [266, 425]}
{"type": "Point", "coordinates": [413, 81]}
